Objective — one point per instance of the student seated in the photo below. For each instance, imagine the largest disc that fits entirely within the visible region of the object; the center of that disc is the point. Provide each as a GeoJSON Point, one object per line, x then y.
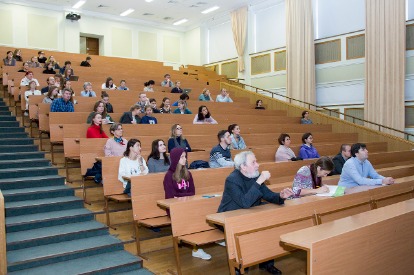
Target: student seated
{"type": "Point", "coordinates": [148, 118]}
{"type": "Point", "coordinates": [223, 96]}
{"type": "Point", "coordinates": [178, 182]}
{"type": "Point", "coordinates": [358, 171]}
{"type": "Point", "coordinates": [177, 139]}
{"type": "Point", "coordinates": [88, 92]}
{"type": "Point", "coordinates": [204, 116]}
{"type": "Point", "coordinates": [259, 105]}
{"type": "Point", "coordinates": [158, 160]}
{"type": "Point", "coordinates": [132, 164]}
{"type": "Point", "coordinates": [153, 104]}
{"type": "Point", "coordinates": [109, 84]}
{"type": "Point", "coordinates": [34, 63]}
{"type": "Point", "coordinates": [95, 130]}
{"type": "Point", "coordinates": [305, 118]}
{"type": "Point", "coordinates": [27, 78]}
{"type": "Point", "coordinates": [122, 86]}
{"type": "Point", "coordinates": [165, 107]}
{"type": "Point", "coordinates": [149, 86]}
{"type": "Point", "coordinates": [63, 104]}
{"type": "Point", "coordinates": [68, 65]}
{"type": "Point", "coordinates": [284, 153]}
{"type": "Point", "coordinates": [87, 62]}
{"type": "Point", "coordinates": [237, 142]}
{"type": "Point", "coordinates": [9, 60]}
{"type": "Point", "coordinates": [131, 117]}
{"type": "Point", "coordinates": [183, 97]}
{"type": "Point", "coordinates": [105, 100]}
{"type": "Point", "coordinates": [308, 179]}
{"type": "Point", "coordinates": [206, 96]}
{"type": "Point", "coordinates": [143, 102]}
{"type": "Point", "coordinates": [182, 108]}
{"type": "Point", "coordinates": [49, 69]}
{"type": "Point", "coordinates": [99, 108]}
{"type": "Point", "coordinates": [307, 151]}
{"type": "Point", "coordinates": [177, 89]}
{"type": "Point", "coordinates": [220, 155]}
{"type": "Point", "coordinates": [340, 159]}
{"type": "Point", "coordinates": [167, 81]}
{"type": "Point", "coordinates": [51, 95]}
{"type": "Point", "coordinates": [25, 68]}
{"type": "Point", "coordinates": [116, 145]}
{"type": "Point", "coordinates": [17, 55]}
{"type": "Point", "coordinates": [41, 57]}
{"type": "Point", "coordinates": [32, 91]}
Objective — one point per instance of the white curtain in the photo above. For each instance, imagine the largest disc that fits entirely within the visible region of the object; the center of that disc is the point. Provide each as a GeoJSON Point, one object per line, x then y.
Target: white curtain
{"type": "Point", "coordinates": [300, 51]}
{"type": "Point", "coordinates": [239, 27]}
{"type": "Point", "coordinates": [385, 62]}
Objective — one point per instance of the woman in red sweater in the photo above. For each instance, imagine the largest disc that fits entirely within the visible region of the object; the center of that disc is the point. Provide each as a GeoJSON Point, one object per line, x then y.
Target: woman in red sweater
{"type": "Point", "coordinates": [95, 130]}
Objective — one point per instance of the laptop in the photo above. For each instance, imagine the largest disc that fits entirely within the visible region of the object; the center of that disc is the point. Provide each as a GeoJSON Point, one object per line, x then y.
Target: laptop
{"type": "Point", "coordinates": [74, 78]}
{"type": "Point", "coordinates": [187, 91]}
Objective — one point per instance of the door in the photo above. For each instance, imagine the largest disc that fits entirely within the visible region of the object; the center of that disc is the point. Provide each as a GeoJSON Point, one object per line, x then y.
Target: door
{"type": "Point", "coordinates": [92, 46]}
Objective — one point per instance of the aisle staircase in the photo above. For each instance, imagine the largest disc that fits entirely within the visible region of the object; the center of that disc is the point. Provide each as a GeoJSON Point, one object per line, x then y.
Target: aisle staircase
{"type": "Point", "coordinates": [48, 230]}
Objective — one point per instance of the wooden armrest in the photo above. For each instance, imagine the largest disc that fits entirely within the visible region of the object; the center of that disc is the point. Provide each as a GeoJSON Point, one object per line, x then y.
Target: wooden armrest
{"type": "Point", "coordinates": [126, 178]}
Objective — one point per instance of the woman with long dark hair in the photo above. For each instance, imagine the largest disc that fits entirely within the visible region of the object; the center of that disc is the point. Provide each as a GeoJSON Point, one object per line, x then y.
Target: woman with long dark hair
{"type": "Point", "coordinates": [308, 179]}
{"type": "Point", "coordinates": [132, 164]}
{"type": "Point", "coordinates": [204, 116]}
{"type": "Point", "coordinates": [158, 160]}
{"type": "Point", "coordinates": [100, 108]}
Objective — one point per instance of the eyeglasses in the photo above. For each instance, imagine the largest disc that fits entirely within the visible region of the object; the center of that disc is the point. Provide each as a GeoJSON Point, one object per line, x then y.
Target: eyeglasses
{"type": "Point", "coordinates": [178, 128]}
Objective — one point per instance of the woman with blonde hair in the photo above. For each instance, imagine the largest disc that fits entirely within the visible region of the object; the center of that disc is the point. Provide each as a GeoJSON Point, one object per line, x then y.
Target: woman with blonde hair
{"type": "Point", "coordinates": [177, 139]}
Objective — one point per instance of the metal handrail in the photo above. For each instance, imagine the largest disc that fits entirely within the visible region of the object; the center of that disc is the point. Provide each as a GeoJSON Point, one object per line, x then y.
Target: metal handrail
{"type": "Point", "coordinates": [257, 89]}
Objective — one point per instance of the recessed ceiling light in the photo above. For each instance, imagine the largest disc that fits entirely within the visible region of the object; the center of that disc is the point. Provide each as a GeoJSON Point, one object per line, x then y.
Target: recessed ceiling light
{"type": "Point", "coordinates": [179, 22]}
{"type": "Point", "coordinates": [148, 1]}
{"type": "Point", "coordinates": [79, 4]}
{"type": "Point", "coordinates": [128, 11]}
{"type": "Point", "coordinates": [210, 9]}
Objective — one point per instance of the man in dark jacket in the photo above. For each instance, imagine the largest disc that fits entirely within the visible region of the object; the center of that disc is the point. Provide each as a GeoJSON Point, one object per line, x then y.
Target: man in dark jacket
{"type": "Point", "coordinates": [244, 189]}
{"type": "Point", "coordinates": [340, 158]}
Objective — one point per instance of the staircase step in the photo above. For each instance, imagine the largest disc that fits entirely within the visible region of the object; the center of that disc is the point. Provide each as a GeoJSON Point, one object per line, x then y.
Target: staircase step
{"type": "Point", "coordinates": [103, 264]}
{"type": "Point", "coordinates": [24, 155]}
{"type": "Point", "coordinates": [38, 220]}
{"type": "Point", "coordinates": [35, 193]}
{"type": "Point", "coordinates": [142, 271]}
{"type": "Point", "coordinates": [54, 234]}
{"type": "Point", "coordinates": [14, 135]}
{"type": "Point", "coordinates": [28, 182]}
{"type": "Point", "coordinates": [63, 251]}
{"type": "Point", "coordinates": [18, 148]}
{"type": "Point", "coordinates": [27, 172]}
{"type": "Point", "coordinates": [7, 118]}
{"type": "Point", "coordinates": [5, 113]}
{"type": "Point", "coordinates": [18, 208]}
{"type": "Point", "coordinates": [17, 163]}
{"type": "Point", "coordinates": [11, 130]}
{"type": "Point", "coordinates": [16, 141]}
{"type": "Point", "coordinates": [9, 124]}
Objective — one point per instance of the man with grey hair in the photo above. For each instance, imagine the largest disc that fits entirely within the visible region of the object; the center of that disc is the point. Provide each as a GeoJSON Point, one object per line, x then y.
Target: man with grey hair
{"type": "Point", "coordinates": [244, 189]}
{"type": "Point", "coordinates": [88, 92]}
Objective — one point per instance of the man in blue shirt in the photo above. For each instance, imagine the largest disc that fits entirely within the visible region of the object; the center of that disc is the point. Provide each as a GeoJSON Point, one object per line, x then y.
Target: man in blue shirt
{"type": "Point", "coordinates": [358, 170]}
{"type": "Point", "coordinates": [63, 104]}
{"type": "Point", "coordinates": [220, 155]}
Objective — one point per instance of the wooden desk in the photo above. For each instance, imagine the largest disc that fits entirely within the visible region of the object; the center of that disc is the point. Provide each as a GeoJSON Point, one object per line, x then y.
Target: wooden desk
{"type": "Point", "coordinates": [167, 202]}
{"type": "Point", "coordinates": [219, 218]}
{"type": "Point", "coordinates": [374, 242]}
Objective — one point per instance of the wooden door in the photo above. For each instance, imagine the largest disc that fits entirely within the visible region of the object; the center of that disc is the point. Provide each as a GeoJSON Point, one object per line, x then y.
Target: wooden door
{"type": "Point", "coordinates": [92, 46]}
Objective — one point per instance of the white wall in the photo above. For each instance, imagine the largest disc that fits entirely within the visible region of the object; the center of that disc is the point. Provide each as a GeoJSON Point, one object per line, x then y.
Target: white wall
{"type": "Point", "coordinates": [117, 38]}
{"type": "Point", "coordinates": [338, 17]}
{"type": "Point", "coordinates": [192, 47]}
{"type": "Point", "coordinates": [410, 9]}
{"type": "Point", "coordinates": [220, 42]}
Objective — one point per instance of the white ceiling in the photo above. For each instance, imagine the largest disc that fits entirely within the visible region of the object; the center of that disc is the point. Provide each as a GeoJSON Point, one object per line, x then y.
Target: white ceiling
{"type": "Point", "coordinates": [159, 13]}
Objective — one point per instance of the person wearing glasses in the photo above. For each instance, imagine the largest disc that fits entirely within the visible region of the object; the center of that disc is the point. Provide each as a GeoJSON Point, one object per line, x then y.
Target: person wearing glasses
{"type": "Point", "coordinates": [177, 139]}
{"type": "Point", "coordinates": [116, 145]}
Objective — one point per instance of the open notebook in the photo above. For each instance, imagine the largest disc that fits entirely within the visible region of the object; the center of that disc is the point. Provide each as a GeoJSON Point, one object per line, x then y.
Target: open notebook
{"type": "Point", "coordinates": [334, 191]}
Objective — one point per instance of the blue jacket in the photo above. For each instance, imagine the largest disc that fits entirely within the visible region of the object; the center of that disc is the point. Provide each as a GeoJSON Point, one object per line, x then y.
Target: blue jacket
{"type": "Point", "coordinates": [307, 152]}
